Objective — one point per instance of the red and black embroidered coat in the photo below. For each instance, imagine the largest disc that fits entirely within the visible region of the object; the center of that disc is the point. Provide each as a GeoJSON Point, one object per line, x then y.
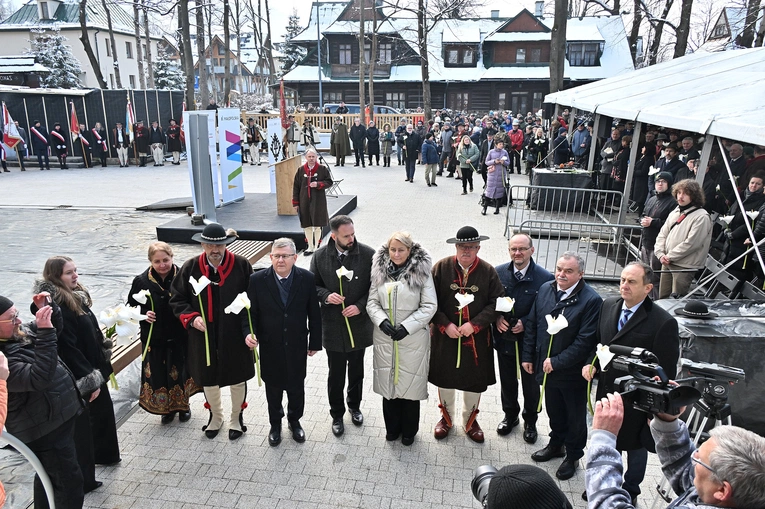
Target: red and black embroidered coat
{"type": "Point", "coordinates": [476, 371]}
{"type": "Point", "coordinates": [231, 361]}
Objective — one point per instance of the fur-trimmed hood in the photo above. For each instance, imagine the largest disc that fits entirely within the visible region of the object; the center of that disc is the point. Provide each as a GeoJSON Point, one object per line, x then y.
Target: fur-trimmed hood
{"type": "Point", "coordinates": [417, 270]}
{"type": "Point", "coordinates": [43, 285]}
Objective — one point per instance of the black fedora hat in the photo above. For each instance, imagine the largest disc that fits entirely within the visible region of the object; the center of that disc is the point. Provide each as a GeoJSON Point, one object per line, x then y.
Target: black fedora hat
{"type": "Point", "coordinates": [695, 309]}
{"type": "Point", "coordinates": [214, 233]}
{"type": "Point", "coordinates": [466, 234]}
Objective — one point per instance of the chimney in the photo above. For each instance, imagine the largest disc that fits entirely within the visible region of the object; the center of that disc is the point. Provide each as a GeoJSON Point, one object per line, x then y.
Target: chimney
{"type": "Point", "coordinates": [539, 7]}
{"type": "Point", "coordinates": [494, 14]}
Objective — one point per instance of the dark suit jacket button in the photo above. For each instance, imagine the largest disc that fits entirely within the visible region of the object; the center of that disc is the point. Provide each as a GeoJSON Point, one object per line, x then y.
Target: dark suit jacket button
{"type": "Point", "coordinates": [285, 315]}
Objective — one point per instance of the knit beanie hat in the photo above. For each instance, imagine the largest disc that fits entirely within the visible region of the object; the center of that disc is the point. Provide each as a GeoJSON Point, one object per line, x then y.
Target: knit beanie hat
{"type": "Point", "coordinates": [525, 487]}
{"type": "Point", "coordinates": [665, 175]}
{"type": "Point", "coordinates": [5, 304]}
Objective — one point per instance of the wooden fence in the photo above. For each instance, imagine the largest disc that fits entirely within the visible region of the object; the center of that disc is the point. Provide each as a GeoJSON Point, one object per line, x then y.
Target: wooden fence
{"type": "Point", "coordinates": [324, 122]}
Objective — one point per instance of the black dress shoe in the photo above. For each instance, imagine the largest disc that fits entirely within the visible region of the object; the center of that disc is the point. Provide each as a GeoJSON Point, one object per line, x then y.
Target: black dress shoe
{"type": "Point", "coordinates": [184, 416]}
{"type": "Point", "coordinates": [407, 441]}
{"type": "Point", "coordinates": [337, 427]}
{"type": "Point", "coordinates": [168, 418]}
{"type": "Point", "coordinates": [548, 453]}
{"type": "Point", "coordinates": [211, 433]}
{"type": "Point", "coordinates": [298, 434]}
{"type": "Point", "coordinates": [233, 434]}
{"type": "Point", "coordinates": [275, 436]}
{"type": "Point", "coordinates": [566, 469]}
{"type": "Point", "coordinates": [584, 495]}
{"type": "Point", "coordinates": [390, 437]}
{"type": "Point", "coordinates": [504, 428]}
{"type": "Point", "coordinates": [530, 433]}
{"type": "Point", "coordinates": [90, 487]}
{"type": "Point", "coordinates": [357, 417]}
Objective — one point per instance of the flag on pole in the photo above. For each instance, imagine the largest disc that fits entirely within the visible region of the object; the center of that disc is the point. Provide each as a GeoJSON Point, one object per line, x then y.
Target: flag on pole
{"type": "Point", "coordinates": [130, 119]}
{"type": "Point", "coordinates": [74, 125]}
{"type": "Point", "coordinates": [183, 134]}
{"type": "Point", "coordinates": [11, 135]}
{"type": "Point", "coordinates": [283, 106]}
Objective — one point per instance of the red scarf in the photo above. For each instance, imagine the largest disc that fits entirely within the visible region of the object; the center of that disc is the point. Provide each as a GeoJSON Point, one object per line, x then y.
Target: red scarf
{"type": "Point", "coordinates": [465, 311]}
{"type": "Point", "coordinates": [224, 269]}
{"type": "Point", "coordinates": [309, 174]}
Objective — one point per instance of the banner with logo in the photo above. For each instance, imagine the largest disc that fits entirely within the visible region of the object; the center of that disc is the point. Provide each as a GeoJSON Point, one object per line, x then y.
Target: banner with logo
{"type": "Point", "coordinates": [275, 148]}
{"type": "Point", "coordinates": [230, 142]}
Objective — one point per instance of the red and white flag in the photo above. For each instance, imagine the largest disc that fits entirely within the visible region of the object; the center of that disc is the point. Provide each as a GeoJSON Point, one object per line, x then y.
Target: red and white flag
{"type": "Point", "coordinates": [11, 136]}
{"type": "Point", "coordinates": [183, 134]}
{"type": "Point", "coordinates": [283, 106]}
{"type": "Point", "coordinates": [74, 125]}
{"type": "Point", "coordinates": [130, 119]}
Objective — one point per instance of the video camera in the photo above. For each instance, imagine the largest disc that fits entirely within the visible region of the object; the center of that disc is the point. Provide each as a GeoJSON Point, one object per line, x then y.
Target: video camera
{"type": "Point", "coordinates": [641, 390]}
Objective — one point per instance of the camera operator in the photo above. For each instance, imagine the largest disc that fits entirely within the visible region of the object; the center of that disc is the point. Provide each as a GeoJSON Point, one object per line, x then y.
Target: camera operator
{"type": "Point", "coordinates": [634, 320]}
{"type": "Point", "coordinates": [725, 471]}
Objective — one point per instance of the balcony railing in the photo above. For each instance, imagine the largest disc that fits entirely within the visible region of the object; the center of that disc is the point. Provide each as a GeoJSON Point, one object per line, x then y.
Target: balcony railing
{"type": "Point", "coordinates": [352, 71]}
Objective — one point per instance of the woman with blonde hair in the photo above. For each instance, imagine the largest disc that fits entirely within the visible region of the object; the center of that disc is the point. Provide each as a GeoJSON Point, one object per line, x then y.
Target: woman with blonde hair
{"type": "Point", "coordinates": [166, 385]}
{"type": "Point", "coordinates": [402, 300]}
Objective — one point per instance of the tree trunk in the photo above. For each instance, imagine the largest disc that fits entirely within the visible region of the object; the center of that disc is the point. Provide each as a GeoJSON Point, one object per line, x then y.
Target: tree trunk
{"type": "Point", "coordinates": [269, 49]}
{"type": "Point", "coordinates": [558, 46]}
{"type": "Point", "coordinates": [658, 29]}
{"type": "Point", "coordinates": [683, 28]}
{"type": "Point", "coordinates": [362, 66]}
{"type": "Point", "coordinates": [752, 12]}
{"type": "Point", "coordinates": [422, 43]}
{"type": "Point", "coordinates": [637, 19]}
{"type": "Point", "coordinates": [227, 70]}
{"type": "Point", "coordinates": [188, 60]}
{"type": "Point", "coordinates": [204, 86]}
{"type": "Point", "coordinates": [372, 62]}
{"type": "Point", "coordinates": [760, 36]}
{"type": "Point", "coordinates": [113, 44]}
{"type": "Point", "coordinates": [86, 45]}
{"type": "Point", "coordinates": [213, 78]}
{"type": "Point", "coordinates": [238, 33]}
{"type": "Point", "coordinates": [149, 64]}
{"type": "Point", "coordinates": [138, 52]}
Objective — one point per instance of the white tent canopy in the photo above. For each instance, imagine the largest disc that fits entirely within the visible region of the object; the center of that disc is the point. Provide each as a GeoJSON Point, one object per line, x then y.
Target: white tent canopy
{"type": "Point", "coordinates": [719, 94]}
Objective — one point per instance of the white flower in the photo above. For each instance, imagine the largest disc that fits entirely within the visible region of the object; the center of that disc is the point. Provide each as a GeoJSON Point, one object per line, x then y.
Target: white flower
{"type": "Point", "coordinates": [123, 318]}
{"type": "Point", "coordinates": [107, 317]}
{"type": "Point", "coordinates": [464, 299]}
{"type": "Point", "coordinates": [200, 285]}
{"type": "Point", "coordinates": [389, 287]}
{"type": "Point", "coordinates": [653, 171]}
{"type": "Point", "coordinates": [727, 219]}
{"type": "Point", "coordinates": [141, 297]}
{"type": "Point", "coordinates": [342, 271]}
{"type": "Point", "coordinates": [241, 302]}
{"type": "Point", "coordinates": [555, 325]}
{"type": "Point", "coordinates": [718, 187]}
{"type": "Point", "coordinates": [504, 304]}
{"type": "Point", "coordinates": [604, 355]}
{"type": "Point", "coordinates": [752, 214]}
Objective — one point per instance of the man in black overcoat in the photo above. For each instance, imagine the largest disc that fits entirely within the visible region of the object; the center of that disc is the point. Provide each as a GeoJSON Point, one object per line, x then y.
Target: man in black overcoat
{"type": "Point", "coordinates": [286, 323]}
{"type": "Point", "coordinates": [634, 320]}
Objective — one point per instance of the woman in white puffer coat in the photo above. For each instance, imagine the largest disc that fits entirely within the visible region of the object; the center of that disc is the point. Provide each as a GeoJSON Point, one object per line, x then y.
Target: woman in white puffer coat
{"type": "Point", "coordinates": [402, 300]}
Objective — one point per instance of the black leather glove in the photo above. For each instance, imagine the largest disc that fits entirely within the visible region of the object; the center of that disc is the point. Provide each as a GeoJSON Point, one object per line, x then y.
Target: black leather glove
{"type": "Point", "coordinates": [400, 333]}
{"type": "Point", "coordinates": [387, 328]}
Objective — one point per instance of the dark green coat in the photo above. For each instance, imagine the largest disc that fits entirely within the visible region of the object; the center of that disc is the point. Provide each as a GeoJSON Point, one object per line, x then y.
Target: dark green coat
{"type": "Point", "coordinates": [339, 142]}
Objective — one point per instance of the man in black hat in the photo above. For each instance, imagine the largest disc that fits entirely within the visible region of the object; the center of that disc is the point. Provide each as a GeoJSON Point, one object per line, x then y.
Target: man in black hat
{"type": "Point", "coordinates": [461, 357]}
{"type": "Point", "coordinates": [121, 143]}
{"type": "Point", "coordinates": [173, 133]}
{"type": "Point", "coordinates": [525, 487]}
{"type": "Point", "coordinates": [157, 141]}
{"type": "Point", "coordinates": [655, 213]}
{"type": "Point", "coordinates": [141, 136]}
{"type": "Point", "coordinates": [217, 353]}
{"type": "Point", "coordinates": [43, 401]}
{"type": "Point", "coordinates": [292, 134]}
{"type": "Point", "coordinates": [40, 145]}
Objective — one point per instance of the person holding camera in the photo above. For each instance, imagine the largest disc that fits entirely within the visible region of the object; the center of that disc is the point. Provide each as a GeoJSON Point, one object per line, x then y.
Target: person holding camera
{"type": "Point", "coordinates": [521, 278]}
{"type": "Point", "coordinates": [725, 471]}
{"type": "Point", "coordinates": [634, 320]}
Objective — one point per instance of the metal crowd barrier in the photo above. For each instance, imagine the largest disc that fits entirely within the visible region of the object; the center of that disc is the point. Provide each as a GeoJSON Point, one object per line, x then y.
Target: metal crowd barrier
{"type": "Point", "coordinates": [606, 248]}
{"type": "Point", "coordinates": [30, 456]}
{"type": "Point", "coordinates": [560, 206]}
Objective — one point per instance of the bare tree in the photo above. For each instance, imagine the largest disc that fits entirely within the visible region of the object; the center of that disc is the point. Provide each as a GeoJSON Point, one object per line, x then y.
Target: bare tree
{"type": "Point", "coordinates": [362, 67]}
{"type": "Point", "coordinates": [204, 91]}
{"type": "Point", "coordinates": [227, 61]}
{"type": "Point", "coordinates": [113, 44]}
{"type": "Point", "coordinates": [637, 20]}
{"type": "Point", "coordinates": [237, 15]}
{"type": "Point", "coordinates": [86, 44]}
{"type": "Point", "coordinates": [187, 59]}
{"type": "Point", "coordinates": [149, 66]}
{"type": "Point", "coordinates": [372, 62]}
{"type": "Point", "coordinates": [209, 21]}
{"type": "Point", "coordinates": [558, 45]}
{"type": "Point", "coordinates": [138, 52]}
{"type": "Point", "coordinates": [683, 28]}
{"type": "Point", "coordinates": [658, 29]}
{"type": "Point", "coordinates": [752, 14]}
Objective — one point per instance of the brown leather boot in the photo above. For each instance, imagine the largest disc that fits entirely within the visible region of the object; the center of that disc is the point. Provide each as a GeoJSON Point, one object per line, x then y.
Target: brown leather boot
{"type": "Point", "coordinates": [473, 430]}
{"type": "Point", "coordinates": [444, 425]}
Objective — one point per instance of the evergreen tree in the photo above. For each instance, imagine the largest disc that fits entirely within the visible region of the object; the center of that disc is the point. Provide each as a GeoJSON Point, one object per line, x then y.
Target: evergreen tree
{"type": "Point", "coordinates": [293, 53]}
{"type": "Point", "coordinates": [168, 74]}
{"type": "Point", "coordinates": [50, 49]}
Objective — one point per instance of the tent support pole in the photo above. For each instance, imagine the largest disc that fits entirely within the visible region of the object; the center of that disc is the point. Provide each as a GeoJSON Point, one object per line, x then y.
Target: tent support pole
{"type": "Point", "coordinates": [706, 152]}
{"type": "Point", "coordinates": [594, 144]}
{"type": "Point", "coordinates": [630, 171]}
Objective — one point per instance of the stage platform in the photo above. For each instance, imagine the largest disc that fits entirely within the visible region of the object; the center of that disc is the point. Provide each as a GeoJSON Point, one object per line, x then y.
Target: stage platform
{"type": "Point", "coordinates": [254, 218]}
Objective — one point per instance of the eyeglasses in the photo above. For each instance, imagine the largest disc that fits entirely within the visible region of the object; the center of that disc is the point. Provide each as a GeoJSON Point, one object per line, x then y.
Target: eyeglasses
{"type": "Point", "coordinates": [465, 247]}
{"type": "Point", "coordinates": [282, 256]}
{"type": "Point", "coordinates": [518, 249]}
{"type": "Point", "coordinates": [695, 459]}
{"type": "Point", "coordinates": [12, 320]}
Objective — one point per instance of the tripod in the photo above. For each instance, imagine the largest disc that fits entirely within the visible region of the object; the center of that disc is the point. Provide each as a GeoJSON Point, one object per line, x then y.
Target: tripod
{"type": "Point", "coordinates": [713, 404]}
{"type": "Point", "coordinates": [333, 191]}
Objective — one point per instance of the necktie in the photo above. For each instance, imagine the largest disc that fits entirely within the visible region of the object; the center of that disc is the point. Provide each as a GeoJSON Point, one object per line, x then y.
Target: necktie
{"type": "Point", "coordinates": [283, 281]}
{"type": "Point", "coordinates": [560, 295]}
{"type": "Point", "coordinates": [340, 258]}
{"type": "Point", "coordinates": [518, 275]}
{"type": "Point", "coordinates": [625, 316]}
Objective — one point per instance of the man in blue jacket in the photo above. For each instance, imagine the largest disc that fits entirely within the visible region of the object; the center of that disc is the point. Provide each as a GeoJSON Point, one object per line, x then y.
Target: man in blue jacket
{"type": "Point", "coordinates": [562, 356]}
{"type": "Point", "coordinates": [580, 144]}
{"type": "Point", "coordinates": [521, 279]}
{"type": "Point", "coordinates": [430, 159]}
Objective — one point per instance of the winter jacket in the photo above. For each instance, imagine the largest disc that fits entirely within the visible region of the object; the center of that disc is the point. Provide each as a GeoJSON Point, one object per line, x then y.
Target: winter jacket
{"type": "Point", "coordinates": [536, 150]}
{"type": "Point", "coordinates": [358, 135]}
{"type": "Point", "coordinates": [429, 153]}
{"type": "Point", "coordinates": [495, 180]}
{"type": "Point", "coordinates": [608, 153]}
{"type": "Point", "coordinates": [734, 245]}
{"type": "Point", "coordinates": [657, 208]}
{"type": "Point", "coordinates": [412, 146]}
{"type": "Point", "coordinates": [42, 394]}
{"type": "Point", "coordinates": [412, 303]}
{"type": "Point", "coordinates": [468, 156]}
{"type": "Point", "coordinates": [373, 141]}
{"type": "Point", "coordinates": [516, 139]}
{"type": "Point", "coordinates": [156, 135]}
{"type": "Point", "coordinates": [686, 243]}
{"type": "Point", "coordinates": [571, 346]}
{"type": "Point", "coordinates": [525, 292]}
{"type": "Point", "coordinates": [324, 265]}
{"type": "Point", "coordinates": [561, 150]}
{"type": "Point", "coordinates": [446, 140]}
{"type": "Point", "coordinates": [580, 138]}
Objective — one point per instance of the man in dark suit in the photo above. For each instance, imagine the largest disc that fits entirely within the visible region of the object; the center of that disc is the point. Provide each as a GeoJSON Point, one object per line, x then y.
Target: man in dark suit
{"type": "Point", "coordinates": [634, 320]}
{"type": "Point", "coordinates": [286, 322]}
{"type": "Point", "coordinates": [521, 279]}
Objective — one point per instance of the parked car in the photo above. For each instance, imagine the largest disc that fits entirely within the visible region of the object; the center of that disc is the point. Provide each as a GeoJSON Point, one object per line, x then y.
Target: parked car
{"type": "Point", "coordinates": [354, 108]}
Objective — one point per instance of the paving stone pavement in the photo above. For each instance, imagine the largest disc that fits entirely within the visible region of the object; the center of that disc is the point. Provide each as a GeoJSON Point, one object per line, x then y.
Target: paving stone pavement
{"type": "Point", "coordinates": [175, 465]}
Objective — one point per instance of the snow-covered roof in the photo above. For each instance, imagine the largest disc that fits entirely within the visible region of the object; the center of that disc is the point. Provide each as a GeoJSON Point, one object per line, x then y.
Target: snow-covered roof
{"type": "Point", "coordinates": [352, 27]}
{"type": "Point", "coordinates": [459, 33]}
{"type": "Point", "coordinates": [20, 63]}
{"type": "Point", "coordinates": [708, 93]}
{"type": "Point", "coordinates": [328, 13]}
